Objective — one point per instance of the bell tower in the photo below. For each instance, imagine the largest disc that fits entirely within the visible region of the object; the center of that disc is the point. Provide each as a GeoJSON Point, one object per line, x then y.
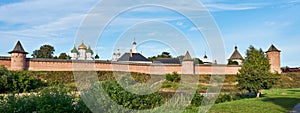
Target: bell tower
{"type": "Point", "coordinates": [273, 55]}
{"type": "Point", "coordinates": [18, 57]}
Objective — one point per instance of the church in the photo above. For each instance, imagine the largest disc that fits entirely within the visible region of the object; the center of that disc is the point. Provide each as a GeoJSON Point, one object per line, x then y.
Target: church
{"type": "Point", "coordinates": [82, 53]}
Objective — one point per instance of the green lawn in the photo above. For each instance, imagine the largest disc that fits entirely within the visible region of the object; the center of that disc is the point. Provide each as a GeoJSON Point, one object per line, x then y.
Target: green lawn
{"type": "Point", "coordinates": [273, 101]}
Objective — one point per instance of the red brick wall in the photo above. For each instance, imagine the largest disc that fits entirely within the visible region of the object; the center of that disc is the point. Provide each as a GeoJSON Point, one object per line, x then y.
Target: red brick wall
{"type": "Point", "coordinates": [150, 69]}
{"type": "Point", "coordinates": [6, 63]}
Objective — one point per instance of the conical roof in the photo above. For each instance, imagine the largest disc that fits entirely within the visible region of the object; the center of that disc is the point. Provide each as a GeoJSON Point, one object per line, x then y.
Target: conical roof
{"type": "Point", "coordinates": [273, 49]}
{"type": "Point", "coordinates": [236, 54]}
{"type": "Point", "coordinates": [187, 57]}
{"type": "Point", "coordinates": [18, 49]}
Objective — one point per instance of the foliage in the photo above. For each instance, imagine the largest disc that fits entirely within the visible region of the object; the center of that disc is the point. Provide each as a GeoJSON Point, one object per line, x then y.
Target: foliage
{"type": "Point", "coordinates": [197, 99]}
{"type": "Point", "coordinates": [130, 100]}
{"type": "Point", "coordinates": [230, 62]}
{"type": "Point", "coordinates": [174, 77]}
{"type": "Point", "coordinates": [45, 51]}
{"type": "Point", "coordinates": [55, 100]}
{"type": "Point", "coordinates": [17, 82]}
{"type": "Point", "coordinates": [63, 56]}
{"type": "Point", "coordinates": [198, 61]}
{"type": "Point", "coordinates": [162, 55]}
{"type": "Point", "coordinates": [255, 73]}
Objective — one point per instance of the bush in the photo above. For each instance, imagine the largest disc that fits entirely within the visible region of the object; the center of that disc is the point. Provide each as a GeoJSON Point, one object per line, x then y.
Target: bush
{"type": "Point", "coordinates": [196, 101]}
{"type": "Point", "coordinates": [174, 77]}
{"type": "Point", "coordinates": [130, 100]}
{"type": "Point", "coordinates": [17, 82]}
{"type": "Point", "coordinates": [55, 100]}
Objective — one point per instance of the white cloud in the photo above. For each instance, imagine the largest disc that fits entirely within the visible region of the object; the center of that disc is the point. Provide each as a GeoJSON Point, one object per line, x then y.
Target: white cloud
{"type": "Point", "coordinates": [231, 7]}
{"type": "Point", "coordinates": [196, 28]}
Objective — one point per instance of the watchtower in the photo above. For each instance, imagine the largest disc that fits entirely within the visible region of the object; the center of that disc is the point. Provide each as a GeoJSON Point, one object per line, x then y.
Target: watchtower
{"type": "Point", "coordinates": [18, 57]}
{"type": "Point", "coordinates": [273, 55]}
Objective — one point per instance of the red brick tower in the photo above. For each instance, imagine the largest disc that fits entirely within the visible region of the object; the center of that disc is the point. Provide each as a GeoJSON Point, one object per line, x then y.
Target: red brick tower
{"type": "Point", "coordinates": [273, 55]}
{"type": "Point", "coordinates": [18, 57]}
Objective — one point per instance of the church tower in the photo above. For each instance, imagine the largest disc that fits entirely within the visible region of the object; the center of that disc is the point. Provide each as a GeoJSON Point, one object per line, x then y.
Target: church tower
{"type": "Point", "coordinates": [134, 50]}
{"type": "Point", "coordinates": [273, 55]}
{"type": "Point", "coordinates": [18, 57]}
{"type": "Point", "coordinates": [82, 51]}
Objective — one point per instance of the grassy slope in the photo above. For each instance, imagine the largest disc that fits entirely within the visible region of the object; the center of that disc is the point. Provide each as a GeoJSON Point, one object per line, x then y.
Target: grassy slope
{"type": "Point", "coordinates": [273, 101]}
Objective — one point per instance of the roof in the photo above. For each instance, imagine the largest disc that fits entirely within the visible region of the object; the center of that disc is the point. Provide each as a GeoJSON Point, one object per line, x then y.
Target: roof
{"type": "Point", "coordinates": [89, 50]}
{"type": "Point", "coordinates": [18, 49]}
{"type": "Point", "coordinates": [82, 46]}
{"type": "Point", "coordinates": [135, 57]}
{"type": "Point", "coordinates": [187, 57]}
{"type": "Point", "coordinates": [236, 55]}
{"type": "Point", "coordinates": [205, 57]}
{"type": "Point", "coordinates": [74, 50]}
{"type": "Point", "coordinates": [167, 61]}
{"type": "Point", "coordinates": [273, 49]}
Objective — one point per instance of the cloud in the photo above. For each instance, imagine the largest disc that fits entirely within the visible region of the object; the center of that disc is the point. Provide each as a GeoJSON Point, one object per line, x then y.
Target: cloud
{"type": "Point", "coordinates": [231, 7]}
{"type": "Point", "coordinates": [196, 28]}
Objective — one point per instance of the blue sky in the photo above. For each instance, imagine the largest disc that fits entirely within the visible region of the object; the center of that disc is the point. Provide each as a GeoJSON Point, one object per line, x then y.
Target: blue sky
{"type": "Point", "coordinates": [242, 23]}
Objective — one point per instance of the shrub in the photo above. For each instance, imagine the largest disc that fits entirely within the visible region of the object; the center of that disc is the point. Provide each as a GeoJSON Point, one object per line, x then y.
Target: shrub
{"type": "Point", "coordinates": [196, 101]}
{"type": "Point", "coordinates": [17, 82]}
{"type": "Point", "coordinates": [130, 100]}
{"type": "Point", "coordinates": [56, 100]}
{"type": "Point", "coordinates": [174, 77]}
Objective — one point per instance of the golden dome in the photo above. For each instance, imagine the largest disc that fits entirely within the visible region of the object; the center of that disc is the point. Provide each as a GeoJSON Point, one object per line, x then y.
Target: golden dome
{"type": "Point", "coordinates": [82, 46]}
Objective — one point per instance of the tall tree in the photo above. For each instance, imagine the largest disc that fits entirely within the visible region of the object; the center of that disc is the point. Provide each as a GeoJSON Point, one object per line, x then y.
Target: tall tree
{"type": "Point", "coordinates": [255, 75]}
{"type": "Point", "coordinates": [45, 51]}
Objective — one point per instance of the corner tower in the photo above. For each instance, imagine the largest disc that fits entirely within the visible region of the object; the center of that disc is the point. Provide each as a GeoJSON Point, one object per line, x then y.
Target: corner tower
{"type": "Point", "coordinates": [273, 55]}
{"type": "Point", "coordinates": [188, 66]}
{"type": "Point", "coordinates": [18, 57]}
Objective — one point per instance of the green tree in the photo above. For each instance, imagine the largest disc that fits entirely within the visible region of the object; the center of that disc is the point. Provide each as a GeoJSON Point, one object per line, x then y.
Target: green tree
{"type": "Point", "coordinates": [255, 75]}
{"type": "Point", "coordinates": [198, 61]}
{"type": "Point", "coordinates": [230, 62]}
{"type": "Point", "coordinates": [63, 56]}
{"type": "Point", "coordinates": [45, 51]}
{"type": "Point", "coordinates": [162, 55]}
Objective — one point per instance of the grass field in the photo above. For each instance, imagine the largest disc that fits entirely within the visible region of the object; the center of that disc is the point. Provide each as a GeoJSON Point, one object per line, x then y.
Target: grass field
{"type": "Point", "coordinates": [273, 101]}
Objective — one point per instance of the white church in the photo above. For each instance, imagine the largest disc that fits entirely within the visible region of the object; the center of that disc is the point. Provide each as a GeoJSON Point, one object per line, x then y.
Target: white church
{"type": "Point", "coordinates": [82, 53]}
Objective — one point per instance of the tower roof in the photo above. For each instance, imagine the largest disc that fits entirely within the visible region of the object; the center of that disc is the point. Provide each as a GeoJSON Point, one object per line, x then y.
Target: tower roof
{"type": "Point", "coordinates": [74, 50]}
{"type": "Point", "coordinates": [18, 49]}
{"type": "Point", "coordinates": [273, 49]}
{"type": "Point", "coordinates": [187, 57]}
{"type": "Point", "coordinates": [205, 57]}
{"type": "Point", "coordinates": [82, 46]}
{"type": "Point", "coordinates": [236, 54]}
{"type": "Point", "coordinates": [89, 50]}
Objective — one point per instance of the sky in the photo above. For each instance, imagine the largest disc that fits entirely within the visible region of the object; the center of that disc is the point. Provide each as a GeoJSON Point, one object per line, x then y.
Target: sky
{"type": "Point", "coordinates": [62, 23]}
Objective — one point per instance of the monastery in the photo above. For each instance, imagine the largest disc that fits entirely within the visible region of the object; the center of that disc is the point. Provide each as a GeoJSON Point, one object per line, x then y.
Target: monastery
{"type": "Point", "coordinates": [133, 61]}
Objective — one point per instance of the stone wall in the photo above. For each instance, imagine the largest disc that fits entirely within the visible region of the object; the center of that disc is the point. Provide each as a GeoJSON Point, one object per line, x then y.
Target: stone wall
{"type": "Point", "coordinates": [68, 65]}
{"type": "Point", "coordinates": [5, 61]}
